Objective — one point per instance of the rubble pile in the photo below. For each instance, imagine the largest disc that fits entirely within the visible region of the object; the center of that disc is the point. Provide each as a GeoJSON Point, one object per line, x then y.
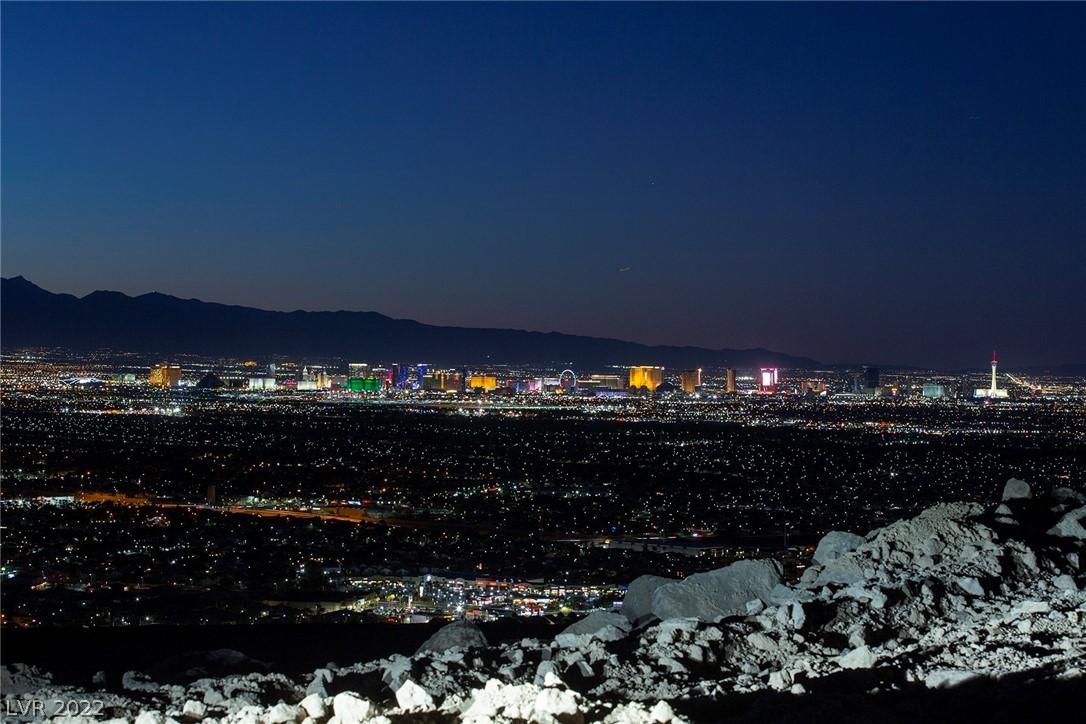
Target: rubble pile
{"type": "Point", "coordinates": [959, 596]}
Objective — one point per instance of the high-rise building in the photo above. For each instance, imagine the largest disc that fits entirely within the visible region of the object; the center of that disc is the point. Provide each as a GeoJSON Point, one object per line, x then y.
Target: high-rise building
{"type": "Point", "coordinates": [307, 381]}
{"type": "Point", "coordinates": [485, 382]}
{"type": "Point", "coordinates": [645, 377]}
{"type": "Point", "coordinates": [164, 375]}
{"type": "Point", "coordinates": [546, 384]}
{"type": "Point", "coordinates": [691, 381]}
{"type": "Point", "coordinates": [452, 381]}
{"type": "Point", "coordinates": [933, 391]}
{"type": "Point", "coordinates": [871, 378]}
{"type": "Point", "coordinates": [607, 382]}
{"type": "Point", "coordinates": [364, 384]}
{"type": "Point", "coordinates": [731, 380]}
{"type": "Point", "coordinates": [400, 375]}
{"type": "Point", "coordinates": [443, 381]}
{"type": "Point", "coordinates": [768, 379]}
{"type": "Point", "coordinates": [358, 369]}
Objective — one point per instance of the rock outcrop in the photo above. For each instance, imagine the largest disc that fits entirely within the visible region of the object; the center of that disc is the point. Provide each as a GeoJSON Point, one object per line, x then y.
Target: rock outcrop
{"type": "Point", "coordinates": [456, 635]}
{"type": "Point", "coordinates": [637, 605]}
{"type": "Point", "coordinates": [835, 544]}
{"type": "Point", "coordinates": [717, 594]}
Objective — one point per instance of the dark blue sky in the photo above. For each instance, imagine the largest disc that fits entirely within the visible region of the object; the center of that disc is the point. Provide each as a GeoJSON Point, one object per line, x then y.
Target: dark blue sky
{"type": "Point", "coordinates": [889, 183]}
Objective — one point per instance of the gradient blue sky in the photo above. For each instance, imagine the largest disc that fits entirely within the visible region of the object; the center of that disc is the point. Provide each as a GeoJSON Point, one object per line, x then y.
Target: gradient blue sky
{"type": "Point", "coordinates": [889, 183]}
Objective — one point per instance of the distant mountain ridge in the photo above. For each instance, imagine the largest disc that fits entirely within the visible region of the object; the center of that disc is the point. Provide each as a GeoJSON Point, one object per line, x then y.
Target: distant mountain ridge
{"type": "Point", "coordinates": [33, 317]}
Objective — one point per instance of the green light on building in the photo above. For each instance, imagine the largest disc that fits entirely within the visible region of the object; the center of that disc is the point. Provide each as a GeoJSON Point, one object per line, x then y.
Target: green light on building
{"type": "Point", "coordinates": [364, 384]}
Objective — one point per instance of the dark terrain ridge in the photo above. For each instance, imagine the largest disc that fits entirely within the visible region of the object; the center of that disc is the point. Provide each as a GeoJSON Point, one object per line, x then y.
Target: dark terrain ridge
{"type": "Point", "coordinates": [158, 323]}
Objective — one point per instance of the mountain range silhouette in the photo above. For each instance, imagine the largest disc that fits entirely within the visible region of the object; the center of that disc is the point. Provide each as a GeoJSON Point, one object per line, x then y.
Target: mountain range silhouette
{"type": "Point", "coordinates": [159, 323]}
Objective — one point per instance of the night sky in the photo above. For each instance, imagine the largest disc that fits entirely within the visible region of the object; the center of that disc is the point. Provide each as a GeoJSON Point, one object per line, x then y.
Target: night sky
{"type": "Point", "coordinates": [854, 183]}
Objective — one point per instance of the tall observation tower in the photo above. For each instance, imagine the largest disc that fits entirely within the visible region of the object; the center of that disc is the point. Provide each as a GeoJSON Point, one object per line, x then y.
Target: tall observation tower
{"type": "Point", "coordinates": [993, 390]}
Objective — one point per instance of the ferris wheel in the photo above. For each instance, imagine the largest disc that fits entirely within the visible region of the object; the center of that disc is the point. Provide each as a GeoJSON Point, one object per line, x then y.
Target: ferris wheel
{"type": "Point", "coordinates": [567, 380]}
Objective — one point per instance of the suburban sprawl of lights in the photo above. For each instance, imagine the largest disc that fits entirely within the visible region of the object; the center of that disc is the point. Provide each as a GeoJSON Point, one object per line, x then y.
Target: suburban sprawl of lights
{"type": "Point", "coordinates": [188, 490]}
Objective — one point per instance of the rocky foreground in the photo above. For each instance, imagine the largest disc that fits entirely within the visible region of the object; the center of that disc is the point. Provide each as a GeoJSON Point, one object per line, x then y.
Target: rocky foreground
{"type": "Point", "coordinates": [961, 613]}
